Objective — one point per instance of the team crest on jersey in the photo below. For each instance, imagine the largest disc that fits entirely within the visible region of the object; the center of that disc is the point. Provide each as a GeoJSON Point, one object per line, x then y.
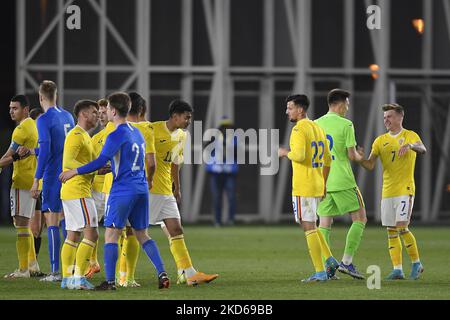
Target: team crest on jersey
{"type": "Point", "coordinates": [401, 141]}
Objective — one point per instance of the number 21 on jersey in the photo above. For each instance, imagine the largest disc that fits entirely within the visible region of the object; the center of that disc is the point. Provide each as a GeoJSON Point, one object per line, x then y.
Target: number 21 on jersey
{"type": "Point", "coordinates": [136, 151]}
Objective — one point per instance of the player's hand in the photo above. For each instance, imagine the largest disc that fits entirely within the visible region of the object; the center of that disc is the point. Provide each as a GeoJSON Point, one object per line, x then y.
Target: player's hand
{"type": "Point", "coordinates": [106, 169]}
{"type": "Point", "coordinates": [361, 152]}
{"type": "Point", "coordinates": [67, 175]}
{"type": "Point", "coordinates": [324, 193]}
{"type": "Point", "coordinates": [282, 152]}
{"type": "Point", "coordinates": [35, 192]}
{"type": "Point", "coordinates": [177, 195]}
{"type": "Point", "coordinates": [23, 152]}
{"type": "Point", "coordinates": [404, 149]}
{"type": "Point", "coordinates": [150, 184]}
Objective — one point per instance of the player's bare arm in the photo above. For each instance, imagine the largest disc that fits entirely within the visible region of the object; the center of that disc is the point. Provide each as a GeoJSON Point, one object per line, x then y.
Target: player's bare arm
{"type": "Point", "coordinates": [353, 155]}
{"type": "Point", "coordinates": [8, 153]}
{"type": "Point", "coordinates": [282, 152]}
{"type": "Point", "coordinates": [368, 164]}
{"type": "Point", "coordinates": [150, 159]}
{"type": "Point", "coordinates": [175, 170]}
{"type": "Point", "coordinates": [417, 147]}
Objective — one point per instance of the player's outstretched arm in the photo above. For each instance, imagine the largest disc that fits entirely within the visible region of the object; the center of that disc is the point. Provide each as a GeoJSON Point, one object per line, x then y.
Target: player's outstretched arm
{"type": "Point", "coordinates": [354, 156]}
{"type": "Point", "coordinates": [369, 164]}
{"type": "Point", "coordinates": [92, 166]}
{"type": "Point", "coordinates": [6, 161]}
{"type": "Point", "coordinates": [417, 147]}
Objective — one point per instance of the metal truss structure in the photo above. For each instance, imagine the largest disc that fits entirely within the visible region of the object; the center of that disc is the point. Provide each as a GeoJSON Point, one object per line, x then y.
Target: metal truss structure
{"type": "Point", "coordinates": [270, 193]}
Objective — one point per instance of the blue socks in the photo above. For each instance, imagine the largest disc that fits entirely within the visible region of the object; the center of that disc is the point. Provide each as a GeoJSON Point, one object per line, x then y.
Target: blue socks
{"type": "Point", "coordinates": [110, 255]}
{"type": "Point", "coordinates": [152, 252]}
{"type": "Point", "coordinates": [63, 228]}
{"type": "Point", "coordinates": [54, 244]}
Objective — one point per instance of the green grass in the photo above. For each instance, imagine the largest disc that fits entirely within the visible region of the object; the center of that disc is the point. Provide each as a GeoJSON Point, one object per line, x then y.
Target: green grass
{"type": "Point", "coordinates": [256, 262]}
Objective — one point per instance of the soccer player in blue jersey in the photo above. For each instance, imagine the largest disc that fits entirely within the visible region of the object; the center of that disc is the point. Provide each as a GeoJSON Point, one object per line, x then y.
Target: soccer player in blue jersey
{"type": "Point", "coordinates": [53, 127]}
{"type": "Point", "coordinates": [128, 199]}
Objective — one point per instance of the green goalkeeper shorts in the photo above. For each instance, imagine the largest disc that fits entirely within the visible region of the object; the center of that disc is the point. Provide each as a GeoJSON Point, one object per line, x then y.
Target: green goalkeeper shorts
{"type": "Point", "coordinates": [341, 202]}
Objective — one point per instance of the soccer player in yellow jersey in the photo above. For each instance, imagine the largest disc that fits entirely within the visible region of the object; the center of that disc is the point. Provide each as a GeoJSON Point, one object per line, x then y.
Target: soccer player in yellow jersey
{"type": "Point", "coordinates": [311, 158]}
{"type": "Point", "coordinates": [78, 204]}
{"type": "Point", "coordinates": [22, 203]}
{"type": "Point", "coordinates": [169, 143]}
{"type": "Point", "coordinates": [98, 140]}
{"type": "Point", "coordinates": [397, 151]}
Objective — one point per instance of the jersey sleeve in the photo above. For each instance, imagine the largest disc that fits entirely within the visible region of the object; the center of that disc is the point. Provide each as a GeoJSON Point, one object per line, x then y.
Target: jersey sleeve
{"type": "Point", "coordinates": [18, 138]}
{"type": "Point", "coordinates": [350, 140]}
{"type": "Point", "coordinates": [112, 145]}
{"type": "Point", "coordinates": [178, 153]}
{"type": "Point", "coordinates": [44, 146]}
{"type": "Point", "coordinates": [376, 147]}
{"type": "Point", "coordinates": [72, 148]}
{"type": "Point", "coordinates": [150, 143]}
{"type": "Point", "coordinates": [297, 146]}
{"type": "Point", "coordinates": [415, 137]}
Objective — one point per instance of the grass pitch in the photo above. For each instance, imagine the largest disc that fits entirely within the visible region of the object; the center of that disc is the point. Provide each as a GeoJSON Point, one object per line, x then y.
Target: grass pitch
{"type": "Point", "coordinates": [253, 262]}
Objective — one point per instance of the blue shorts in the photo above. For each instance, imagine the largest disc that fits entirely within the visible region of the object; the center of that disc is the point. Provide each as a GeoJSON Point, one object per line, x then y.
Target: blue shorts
{"type": "Point", "coordinates": [133, 208]}
{"type": "Point", "coordinates": [51, 196]}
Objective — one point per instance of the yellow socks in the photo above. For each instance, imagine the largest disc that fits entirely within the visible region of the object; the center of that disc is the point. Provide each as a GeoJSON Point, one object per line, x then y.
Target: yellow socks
{"type": "Point", "coordinates": [32, 250]}
{"type": "Point", "coordinates": [68, 255]}
{"type": "Point", "coordinates": [325, 248]}
{"type": "Point", "coordinates": [94, 259]}
{"type": "Point", "coordinates": [83, 256]}
{"type": "Point", "coordinates": [123, 260]}
{"type": "Point", "coordinates": [23, 246]}
{"type": "Point", "coordinates": [315, 249]}
{"type": "Point", "coordinates": [131, 246]}
{"type": "Point", "coordinates": [395, 248]}
{"type": "Point", "coordinates": [180, 252]}
{"type": "Point", "coordinates": [410, 243]}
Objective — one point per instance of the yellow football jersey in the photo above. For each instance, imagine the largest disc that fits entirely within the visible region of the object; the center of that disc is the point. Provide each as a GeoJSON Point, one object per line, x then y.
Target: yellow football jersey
{"type": "Point", "coordinates": [146, 129]}
{"type": "Point", "coordinates": [398, 172]}
{"type": "Point", "coordinates": [309, 154]}
{"type": "Point", "coordinates": [98, 141]}
{"type": "Point", "coordinates": [169, 148]}
{"type": "Point", "coordinates": [78, 151]}
{"type": "Point", "coordinates": [25, 134]}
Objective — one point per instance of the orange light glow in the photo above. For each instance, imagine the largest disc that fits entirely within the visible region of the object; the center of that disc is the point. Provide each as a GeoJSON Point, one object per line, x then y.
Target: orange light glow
{"type": "Point", "coordinates": [374, 68]}
{"type": "Point", "coordinates": [448, 188]}
{"type": "Point", "coordinates": [419, 25]}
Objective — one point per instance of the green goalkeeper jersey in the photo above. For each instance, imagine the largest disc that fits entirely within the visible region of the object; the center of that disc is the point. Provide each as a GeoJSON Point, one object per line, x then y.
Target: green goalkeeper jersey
{"type": "Point", "coordinates": [341, 135]}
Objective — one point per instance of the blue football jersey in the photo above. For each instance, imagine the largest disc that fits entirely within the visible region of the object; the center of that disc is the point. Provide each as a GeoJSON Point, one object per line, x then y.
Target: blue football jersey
{"type": "Point", "coordinates": [53, 127]}
{"type": "Point", "coordinates": [125, 147]}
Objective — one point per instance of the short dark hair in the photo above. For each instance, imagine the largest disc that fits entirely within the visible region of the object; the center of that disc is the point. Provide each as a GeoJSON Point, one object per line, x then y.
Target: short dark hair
{"type": "Point", "coordinates": [121, 102]}
{"type": "Point", "coordinates": [83, 105]}
{"type": "Point", "coordinates": [394, 106]}
{"type": "Point", "coordinates": [337, 95]}
{"type": "Point", "coordinates": [36, 112]}
{"type": "Point", "coordinates": [179, 107]}
{"type": "Point", "coordinates": [138, 104]}
{"type": "Point", "coordinates": [48, 89]}
{"type": "Point", "coordinates": [21, 99]}
{"type": "Point", "coordinates": [300, 100]}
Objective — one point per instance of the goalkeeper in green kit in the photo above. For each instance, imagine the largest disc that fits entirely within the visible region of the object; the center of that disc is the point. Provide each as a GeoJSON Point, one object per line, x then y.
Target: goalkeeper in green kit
{"type": "Point", "coordinates": [342, 193]}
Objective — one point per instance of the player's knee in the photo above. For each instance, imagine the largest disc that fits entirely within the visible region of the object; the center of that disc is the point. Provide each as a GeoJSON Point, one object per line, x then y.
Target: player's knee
{"type": "Point", "coordinates": [176, 231]}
